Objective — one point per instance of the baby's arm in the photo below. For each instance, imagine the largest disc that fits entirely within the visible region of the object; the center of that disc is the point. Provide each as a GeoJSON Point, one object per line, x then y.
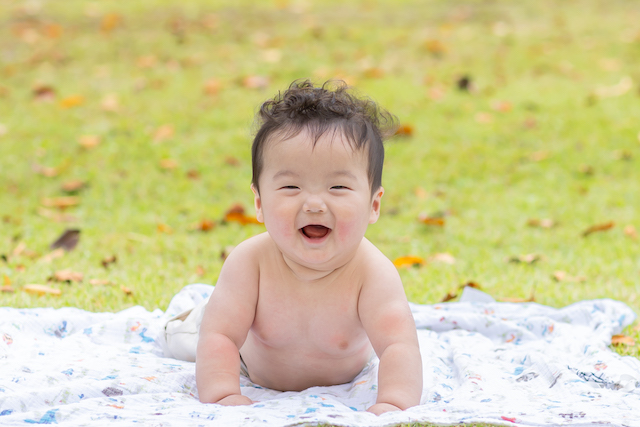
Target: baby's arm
{"type": "Point", "coordinates": [386, 317]}
{"type": "Point", "coordinates": [225, 324]}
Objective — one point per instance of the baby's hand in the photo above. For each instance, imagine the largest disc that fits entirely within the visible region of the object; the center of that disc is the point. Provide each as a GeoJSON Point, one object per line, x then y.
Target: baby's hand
{"type": "Point", "coordinates": [381, 408]}
{"type": "Point", "coordinates": [235, 400]}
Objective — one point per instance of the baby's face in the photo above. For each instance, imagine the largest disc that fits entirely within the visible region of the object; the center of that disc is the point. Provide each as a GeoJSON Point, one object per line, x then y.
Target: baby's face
{"type": "Point", "coordinates": [316, 201]}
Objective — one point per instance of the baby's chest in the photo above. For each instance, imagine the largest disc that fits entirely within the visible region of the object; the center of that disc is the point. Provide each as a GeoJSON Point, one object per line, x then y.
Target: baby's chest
{"type": "Point", "coordinates": [329, 323]}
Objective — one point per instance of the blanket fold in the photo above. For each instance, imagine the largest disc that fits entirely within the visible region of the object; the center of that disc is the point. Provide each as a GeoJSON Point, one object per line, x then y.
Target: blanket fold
{"type": "Point", "coordinates": [500, 363]}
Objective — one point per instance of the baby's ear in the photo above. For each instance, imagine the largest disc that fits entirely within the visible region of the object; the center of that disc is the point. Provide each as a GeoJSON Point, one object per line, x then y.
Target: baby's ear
{"type": "Point", "coordinates": [375, 206]}
{"type": "Point", "coordinates": [257, 203]}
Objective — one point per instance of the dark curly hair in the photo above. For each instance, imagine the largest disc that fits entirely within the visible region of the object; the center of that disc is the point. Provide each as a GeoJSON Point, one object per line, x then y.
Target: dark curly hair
{"type": "Point", "coordinates": [332, 107]}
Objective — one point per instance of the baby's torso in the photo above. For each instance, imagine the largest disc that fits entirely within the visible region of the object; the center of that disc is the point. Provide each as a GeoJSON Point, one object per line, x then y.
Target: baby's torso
{"type": "Point", "coordinates": [305, 334]}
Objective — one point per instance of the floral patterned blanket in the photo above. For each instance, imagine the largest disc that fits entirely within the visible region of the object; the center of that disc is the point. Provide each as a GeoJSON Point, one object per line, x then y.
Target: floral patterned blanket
{"type": "Point", "coordinates": [499, 363]}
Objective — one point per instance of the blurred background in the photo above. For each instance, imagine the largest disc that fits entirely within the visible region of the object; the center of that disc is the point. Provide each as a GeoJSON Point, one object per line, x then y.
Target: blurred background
{"type": "Point", "coordinates": [515, 169]}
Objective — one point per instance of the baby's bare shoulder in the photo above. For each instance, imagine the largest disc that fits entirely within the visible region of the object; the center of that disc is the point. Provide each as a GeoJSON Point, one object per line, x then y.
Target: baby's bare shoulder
{"type": "Point", "coordinates": [374, 262]}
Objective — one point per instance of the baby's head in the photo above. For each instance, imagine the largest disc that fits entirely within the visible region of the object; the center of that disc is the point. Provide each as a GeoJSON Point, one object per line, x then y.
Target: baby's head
{"type": "Point", "coordinates": [331, 108]}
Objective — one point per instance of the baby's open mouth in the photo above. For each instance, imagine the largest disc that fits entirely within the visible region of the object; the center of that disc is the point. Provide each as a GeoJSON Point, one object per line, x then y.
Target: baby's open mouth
{"type": "Point", "coordinates": [315, 231]}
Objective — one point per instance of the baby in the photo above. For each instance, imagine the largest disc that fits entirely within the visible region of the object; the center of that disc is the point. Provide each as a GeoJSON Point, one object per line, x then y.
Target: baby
{"type": "Point", "coordinates": [307, 302]}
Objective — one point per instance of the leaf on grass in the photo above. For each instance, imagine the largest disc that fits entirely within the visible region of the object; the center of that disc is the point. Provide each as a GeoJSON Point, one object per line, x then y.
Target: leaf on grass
{"type": "Point", "coordinates": [237, 214]}
{"type": "Point", "coordinates": [163, 133]}
{"type": "Point", "coordinates": [212, 87]}
{"type": "Point", "coordinates": [483, 117]}
{"type": "Point", "coordinates": [43, 93]}
{"type": "Point", "coordinates": [373, 73]}
{"type": "Point", "coordinates": [630, 231]}
{"type": "Point", "coordinates": [193, 174]}
{"type": "Point", "coordinates": [542, 223]}
{"type": "Point", "coordinates": [89, 141]}
{"type": "Point", "coordinates": [408, 261]}
{"type": "Point", "coordinates": [502, 106]}
{"type": "Point", "coordinates": [110, 22]}
{"type": "Point", "coordinates": [515, 299]}
{"type": "Point", "coordinates": [525, 259]}
{"type": "Point", "coordinates": [72, 101]}
{"type": "Point", "coordinates": [232, 161]}
{"type": "Point", "coordinates": [405, 130]}
{"type": "Point", "coordinates": [67, 240]}
{"type": "Point", "coordinates": [432, 220]}
{"type": "Point", "coordinates": [444, 257]}
{"type": "Point", "coordinates": [561, 276]}
{"type": "Point", "coordinates": [67, 276]}
{"type": "Point", "coordinates": [57, 253]}
{"type": "Point", "coordinates": [6, 280]}
{"type": "Point", "coordinates": [73, 186]}
{"type": "Point", "coordinates": [41, 290]}
{"type": "Point", "coordinates": [168, 164]}
{"type": "Point", "coordinates": [60, 202]}
{"type": "Point", "coordinates": [598, 227]}
{"type": "Point", "coordinates": [110, 103]}
{"type": "Point", "coordinates": [108, 261]}
{"type": "Point", "coordinates": [435, 47]}
{"type": "Point", "coordinates": [5, 289]}
{"type": "Point", "coordinates": [100, 282]}
{"type": "Point", "coordinates": [255, 82]}
{"type": "Point", "coordinates": [538, 156]}
{"type": "Point", "coordinates": [622, 339]}
{"type": "Point", "coordinates": [55, 215]}
{"type": "Point", "coordinates": [204, 225]}
{"type": "Point", "coordinates": [470, 284]}
{"type": "Point", "coordinates": [200, 271]}
{"type": "Point", "coordinates": [44, 170]}
{"type": "Point", "coordinates": [126, 290]}
{"type": "Point", "coordinates": [164, 228]}
{"type": "Point", "coordinates": [449, 297]}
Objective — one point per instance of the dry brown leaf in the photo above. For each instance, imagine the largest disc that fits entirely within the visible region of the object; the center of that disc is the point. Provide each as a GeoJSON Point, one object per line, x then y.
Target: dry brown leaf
{"type": "Point", "coordinates": [68, 240]}
{"type": "Point", "coordinates": [630, 231]}
{"type": "Point", "coordinates": [168, 164]}
{"type": "Point", "coordinates": [7, 289]}
{"type": "Point", "coordinates": [147, 61]}
{"type": "Point", "coordinates": [598, 227]}
{"type": "Point", "coordinates": [200, 271]}
{"type": "Point", "coordinates": [561, 276]}
{"type": "Point", "coordinates": [72, 101]}
{"type": "Point", "coordinates": [586, 169]}
{"type": "Point", "coordinates": [510, 299]}
{"type": "Point", "coordinates": [542, 223]}
{"type": "Point", "coordinates": [57, 253]}
{"type": "Point", "coordinates": [60, 202]}
{"type": "Point", "coordinates": [73, 186]}
{"type": "Point", "coordinates": [164, 228]}
{"type": "Point", "coordinates": [110, 22]}
{"type": "Point", "coordinates": [408, 261]}
{"type": "Point", "coordinates": [237, 214]}
{"type": "Point", "coordinates": [255, 82]}
{"type": "Point", "coordinates": [100, 282]}
{"type": "Point", "coordinates": [110, 103]}
{"type": "Point", "coordinates": [163, 133]}
{"type": "Point", "coordinates": [126, 290]}
{"type": "Point", "coordinates": [622, 339]}
{"type": "Point", "coordinates": [435, 47]}
{"type": "Point", "coordinates": [232, 161]}
{"type": "Point", "coordinates": [108, 261]}
{"type": "Point", "coordinates": [373, 73]}
{"type": "Point", "coordinates": [437, 221]}
{"type": "Point", "coordinates": [6, 280]}
{"type": "Point", "coordinates": [405, 130]}
{"type": "Point", "coordinates": [445, 258]}
{"type": "Point", "coordinates": [525, 259]}
{"type": "Point", "coordinates": [538, 156]}
{"type": "Point", "coordinates": [502, 106]}
{"type": "Point", "coordinates": [43, 93]}
{"type": "Point", "coordinates": [420, 193]}
{"type": "Point", "coordinates": [193, 174]}
{"type": "Point", "coordinates": [204, 225]}
{"type": "Point", "coordinates": [44, 170]}
{"type": "Point", "coordinates": [449, 297]}
{"type": "Point", "coordinates": [41, 290]}
{"type": "Point", "coordinates": [89, 141]}
{"type": "Point", "coordinates": [67, 276]}
{"type": "Point", "coordinates": [212, 87]}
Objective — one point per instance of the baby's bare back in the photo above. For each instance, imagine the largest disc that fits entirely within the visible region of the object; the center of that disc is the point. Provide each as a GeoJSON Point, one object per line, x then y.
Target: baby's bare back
{"type": "Point", "coordinates": [306, 333]}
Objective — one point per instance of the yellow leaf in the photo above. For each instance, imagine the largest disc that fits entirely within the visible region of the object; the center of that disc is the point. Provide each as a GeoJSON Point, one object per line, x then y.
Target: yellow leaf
{"type": "Point", "coordinates": [41, 290]}
{"type": "Point", "coordinates": [622, 339]}
{"type": "Point", "coordinates": [110, 22]}
{"type": "Point", "coordinates": [60, 202]}
{"type": "Point", "coordinates": [408, 261]}
{"type": "Point", "coordinates": [72, 101]}
{"type": "Point", "coordinates": [89, 141]}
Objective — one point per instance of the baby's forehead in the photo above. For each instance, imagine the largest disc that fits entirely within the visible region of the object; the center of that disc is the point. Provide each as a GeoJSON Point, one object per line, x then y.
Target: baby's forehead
{"type": "Point", "coordinates": [307, 138]}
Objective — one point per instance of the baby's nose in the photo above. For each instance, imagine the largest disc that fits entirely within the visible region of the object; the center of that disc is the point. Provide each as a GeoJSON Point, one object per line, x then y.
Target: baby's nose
{"type": "Point", "coordinates": [314, 204]}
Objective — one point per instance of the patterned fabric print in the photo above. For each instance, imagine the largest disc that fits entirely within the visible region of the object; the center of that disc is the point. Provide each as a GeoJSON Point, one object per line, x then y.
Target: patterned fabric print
{"type": "Point", "coordinates": [499, 363]}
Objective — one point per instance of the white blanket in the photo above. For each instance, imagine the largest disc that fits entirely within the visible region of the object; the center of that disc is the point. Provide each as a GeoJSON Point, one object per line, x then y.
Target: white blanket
{"type": "Point", "coordinates": [499, 363]}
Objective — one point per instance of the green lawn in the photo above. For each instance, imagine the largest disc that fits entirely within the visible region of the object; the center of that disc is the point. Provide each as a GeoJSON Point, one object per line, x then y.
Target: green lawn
{"type": "Point", "coordinates": [547, 129]}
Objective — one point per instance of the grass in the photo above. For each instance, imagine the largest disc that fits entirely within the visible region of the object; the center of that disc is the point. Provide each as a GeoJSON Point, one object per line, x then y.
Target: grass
{"type": "Point", "coordinates": [548, 130]}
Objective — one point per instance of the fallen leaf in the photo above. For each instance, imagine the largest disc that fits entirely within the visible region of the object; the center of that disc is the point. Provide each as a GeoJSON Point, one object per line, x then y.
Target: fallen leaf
{"type": "Point", "coordinates": [586, 170]}
{"type": "Point", "coordinates": [225, 252]}
{"type": "Point", "coordinates": [237, 214]}
{"type": "Point", "coordinates": [7, 289]}
{"type": "Point", "coordinates": [67, 276]}
{"type": "Point", "coordinates": [502, 106]}
{"type": "Point", "coordinates": [525, 259]}
{"type": "Point", "coordinates": [435, 47]}
{"type": "Point", "coordinates": [373, 73]}
{"type": "Point", "coordinates": [255, 82]}
{"type": "Point", "coordinates": [43, 93]}
{"type": "Point", "coordinates": [232, 161]}
{"type": "Point", "coordinates": [470, 284]}
{"type": "Point", "coordinates": [44, 171]}
{"type": "Point", "coordinates": [99, 282]}
{"type": "Point", "coordinates": [41, 290]}
{"type": "Point", "coordinates": [108, 261]}
{"type": "Point", "coordinates": [73, 186]}
{"type": "Point", "coordinates": [204, 225]}
{"type": "Point", "coordinates": [193, 174]}
{"type": "Point", "coordinates": [449, 297]}
{"type": "Point", "coordinates": [542, 223]}
{"type": "Point", "coordinates": [89, 141]}
{"type": "Point", "coordinates": [404, 130]}
{"type": "Point", "coordinates": [67, 240]}
{"type": "Point", "coordinates": [429, 220]}
{"type": "Point", "coordinates": [55, 215]}
{"type": "Point", "coordinates": [163, 133]}
{"type": "Point", "coordinates": [408, 261]}
{"type": "Point", "coordinates": [126, 290]}
{"type": "Point", "coordinates": [60, 202]}
{"type": "Point", "coordinates": [561, 276]}
{"type": "Point", "coordinates": [598, 227]}
{"type": "Point", "coordinates": [630, 231]}
{"type": "Point", "coordinates": [72, 101]}
{"type": "Point", "coordinates": [622, 339]}
{"type": "Point", "coordinates": [200, 271]}
{"type": "Point", "coordinates": [57, 253]}
{"type": "Point", "coordinates": [168, 164]}
{"type": "Point", "coordinates": [110, 103]}
{"type": "Point", "coordinates": [6, 280]}
{"type": "Point", "coordinates": [164, 228]}
{"type": "Point", "coordinates": [212, 87]}
{"type": "Point", "coordinates": [147, 61]}
{"type": "Point", "coordinates": [436, 93]}
{"type": "Point", "coordinates": [445, 258]}
{"type": "Point", "coordinates": [110, 22]}
{"type": "Point", "coordinates": [509, 299]}
{"type": "Point", "coordinates": [484, 118]}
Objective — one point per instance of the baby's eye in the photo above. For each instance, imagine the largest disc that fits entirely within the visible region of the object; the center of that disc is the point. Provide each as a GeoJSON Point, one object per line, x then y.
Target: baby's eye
{"type": "Point", "coordinates": [289, 187]}
{"type": "Point", "coordinates": [339, 187]}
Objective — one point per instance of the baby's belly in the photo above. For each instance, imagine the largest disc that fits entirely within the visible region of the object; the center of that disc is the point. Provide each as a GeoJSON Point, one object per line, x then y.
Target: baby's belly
{"type": "Point", "coordinates": [298, 366]}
